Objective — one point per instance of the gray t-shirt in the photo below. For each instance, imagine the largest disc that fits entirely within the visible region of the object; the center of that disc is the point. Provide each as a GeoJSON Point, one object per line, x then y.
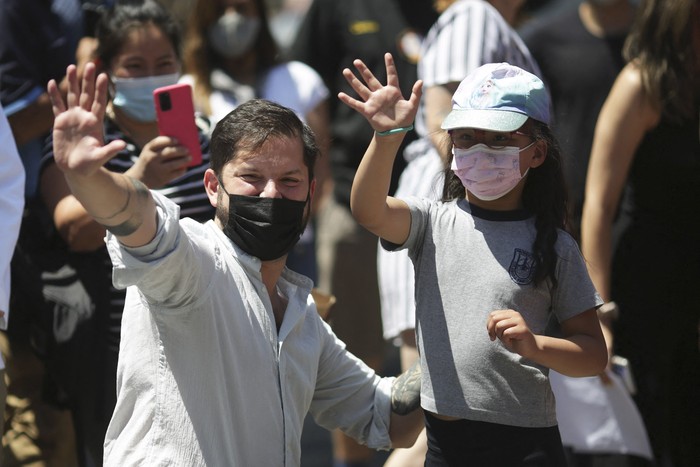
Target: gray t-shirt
{"type": "Point", "coordinates": [471, 263]}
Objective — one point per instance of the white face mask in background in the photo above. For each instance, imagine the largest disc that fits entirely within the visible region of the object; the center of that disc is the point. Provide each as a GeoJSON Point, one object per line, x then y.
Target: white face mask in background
{"type": "Point", "coordinates": [134, 96]}
{"type": "Point", "coordinates": [234, 34]}
{"type": "Point", "coordinates": [488, 173]}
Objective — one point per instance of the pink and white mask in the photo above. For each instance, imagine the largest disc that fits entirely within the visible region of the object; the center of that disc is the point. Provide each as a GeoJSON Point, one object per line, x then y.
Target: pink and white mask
{"type": "Point", "coordinates": [488, 173]}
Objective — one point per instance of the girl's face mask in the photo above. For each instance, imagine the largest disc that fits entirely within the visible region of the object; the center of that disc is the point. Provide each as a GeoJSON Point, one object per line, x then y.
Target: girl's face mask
{"type": "Point", "coordinates": [134, 96]}
{"type": "Point", "coordinates": [488, 173]}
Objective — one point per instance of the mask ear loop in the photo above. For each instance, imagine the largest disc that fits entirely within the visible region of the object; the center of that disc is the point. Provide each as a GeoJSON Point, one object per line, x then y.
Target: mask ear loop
{"type": "Point", "coordinates": [221, 185]}
{"type": "Point", "coordinates": [527, 147]}
{"type": "Point", "coordinates": [305, 219]}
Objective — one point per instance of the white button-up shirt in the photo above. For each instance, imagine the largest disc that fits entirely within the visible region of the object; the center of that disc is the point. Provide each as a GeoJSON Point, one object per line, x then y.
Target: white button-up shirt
{"type": "Point", "coordinates": [205, 378]}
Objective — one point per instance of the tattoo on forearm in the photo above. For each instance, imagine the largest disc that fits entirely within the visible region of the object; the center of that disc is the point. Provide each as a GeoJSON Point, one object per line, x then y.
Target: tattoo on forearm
{"type": "Point", "coordinates": [405, 392]}
{"type": "Point", "coordinates": [101, 220]}
{"type": "Point", "coordinates": [125, 228]}
{"type": "Point", "coordinates": [135, 220]}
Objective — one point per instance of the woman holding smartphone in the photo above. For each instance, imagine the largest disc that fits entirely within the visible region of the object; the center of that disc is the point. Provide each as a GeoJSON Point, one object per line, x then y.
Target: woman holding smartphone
{"type": "Point", "coordinates": [138, 46]}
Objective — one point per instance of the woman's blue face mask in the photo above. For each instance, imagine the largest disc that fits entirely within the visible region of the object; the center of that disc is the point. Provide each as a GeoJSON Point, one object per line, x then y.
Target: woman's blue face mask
{"type": "Point", "coordinates": [134, 96]}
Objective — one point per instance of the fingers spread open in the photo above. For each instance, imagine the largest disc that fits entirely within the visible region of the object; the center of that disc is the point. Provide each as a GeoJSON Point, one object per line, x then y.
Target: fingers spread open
{"type": "Point", "coordinates": [371, 80]}
{"type": "Point", "coordinates": [88, 89]}
{"type": "Point", "coordinates": [57, 104]}
{"type": "Point", "coordinates": [73, 95]}
{"type": "Point", "coordinates": [351, 102]}
{"type": "Point", "coordinates": [356, 84]}
{"type": "Point", "coordinates": [99, 103]}
{"type": "Point", "coordinates": [392, 76]}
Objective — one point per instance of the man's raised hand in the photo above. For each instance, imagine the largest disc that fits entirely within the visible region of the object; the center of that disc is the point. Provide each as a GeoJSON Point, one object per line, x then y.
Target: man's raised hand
{"type": "Point", "coordinates": [78, 143]}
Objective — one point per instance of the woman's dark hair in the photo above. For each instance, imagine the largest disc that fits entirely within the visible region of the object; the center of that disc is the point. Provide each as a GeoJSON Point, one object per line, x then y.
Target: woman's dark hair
{"type": "Point", "coordinates": [250, 125]}
{"type": "Point", "coordinates": [544, 195]}
{"type": "Point", "coordinates": [660, 43]}
{"type": "Point", "coordinates": [115, 25]}
{"type": "Point", "coordinates": [200, 59]}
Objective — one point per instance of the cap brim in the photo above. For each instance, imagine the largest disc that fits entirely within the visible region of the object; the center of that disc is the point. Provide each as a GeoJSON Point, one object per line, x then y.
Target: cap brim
{"type": "Point", "coordinates": [491, 120]}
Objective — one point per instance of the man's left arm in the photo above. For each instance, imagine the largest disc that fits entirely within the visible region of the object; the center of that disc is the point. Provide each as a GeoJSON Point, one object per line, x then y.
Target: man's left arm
{"type": "Point", "coordinates": [381, 413]}
{"type": "Point", "coordinates": [406, 418]}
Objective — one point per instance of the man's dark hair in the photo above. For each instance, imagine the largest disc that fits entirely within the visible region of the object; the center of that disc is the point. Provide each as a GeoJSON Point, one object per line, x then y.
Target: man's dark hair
{"type": "Point", "coordinates": [249, 126]}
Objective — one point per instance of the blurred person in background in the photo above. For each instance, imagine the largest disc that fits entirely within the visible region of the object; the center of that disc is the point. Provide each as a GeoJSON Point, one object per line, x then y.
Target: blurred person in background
{"type": "Point", "coordinates": [579, 51]}
{"type": "Point", "coordinates": [644, 167]}
{"type": "Point", "coordinates": [38, 39]}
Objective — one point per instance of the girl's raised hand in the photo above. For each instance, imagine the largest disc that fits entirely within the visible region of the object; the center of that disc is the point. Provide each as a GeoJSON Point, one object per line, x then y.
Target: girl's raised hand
{"type": "Point", "coordinates": [77, 130]}
{"type": "Point", "coordinates": [382, 105]}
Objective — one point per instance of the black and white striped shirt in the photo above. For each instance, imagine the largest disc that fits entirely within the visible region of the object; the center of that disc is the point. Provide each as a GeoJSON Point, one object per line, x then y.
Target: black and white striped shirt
{"type": "Point", "coordinates": [470, 33]}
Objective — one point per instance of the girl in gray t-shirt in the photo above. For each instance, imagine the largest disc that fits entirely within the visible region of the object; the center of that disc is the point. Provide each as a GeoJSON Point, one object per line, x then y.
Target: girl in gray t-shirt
{"type": "Point", "coordinates": [493, 265]}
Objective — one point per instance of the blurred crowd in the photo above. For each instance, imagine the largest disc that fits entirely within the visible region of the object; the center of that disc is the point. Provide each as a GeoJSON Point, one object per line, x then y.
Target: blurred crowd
{"type": "Point", "coordinates": [622, 76]}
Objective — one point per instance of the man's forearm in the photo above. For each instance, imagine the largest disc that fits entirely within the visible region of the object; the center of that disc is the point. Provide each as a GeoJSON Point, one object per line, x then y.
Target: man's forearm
{"type": "Point", "coordinates": [405, 392]}
{"type": "Point", "coordinates": [406, 419]}
{"type": "Point", "coordinates": [123, 205]}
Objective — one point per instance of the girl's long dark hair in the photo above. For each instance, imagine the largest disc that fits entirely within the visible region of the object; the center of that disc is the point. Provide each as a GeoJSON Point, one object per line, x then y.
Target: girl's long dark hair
{"type": "Point", "coordinates": [544, 195]}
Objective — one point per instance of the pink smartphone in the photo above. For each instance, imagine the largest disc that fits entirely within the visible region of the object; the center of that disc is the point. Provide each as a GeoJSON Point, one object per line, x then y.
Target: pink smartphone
{"type": "Point", "coordinates": [175, 113]}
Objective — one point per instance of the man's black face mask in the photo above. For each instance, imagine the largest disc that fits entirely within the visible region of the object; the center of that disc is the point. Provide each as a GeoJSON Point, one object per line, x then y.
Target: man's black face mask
{"type": "Point", "coordinates": [267, 228]}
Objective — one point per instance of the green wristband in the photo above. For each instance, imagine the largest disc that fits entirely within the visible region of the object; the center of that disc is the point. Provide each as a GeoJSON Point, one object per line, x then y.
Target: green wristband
{"type": "Point", "coordinates": [393, 131]}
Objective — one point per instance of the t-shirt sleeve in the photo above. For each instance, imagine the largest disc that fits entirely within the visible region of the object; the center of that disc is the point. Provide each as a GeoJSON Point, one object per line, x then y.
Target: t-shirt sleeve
{"type": "Point", "coordinates": [575, 292]}
{"type": "Point", "coordinates": [419, 209]}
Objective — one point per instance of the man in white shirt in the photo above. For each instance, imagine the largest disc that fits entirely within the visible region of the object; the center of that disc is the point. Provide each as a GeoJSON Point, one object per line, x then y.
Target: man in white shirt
{"type": "Point", "coordinates": [223, 352]}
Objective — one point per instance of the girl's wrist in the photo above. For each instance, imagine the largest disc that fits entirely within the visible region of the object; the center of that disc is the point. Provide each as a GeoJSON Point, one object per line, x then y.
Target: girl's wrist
{"type": "Point", "coordinates": [393, 131]}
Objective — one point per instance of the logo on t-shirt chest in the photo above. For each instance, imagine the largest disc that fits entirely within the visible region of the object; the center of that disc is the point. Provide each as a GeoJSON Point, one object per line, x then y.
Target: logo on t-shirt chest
{"type": "Point", "coordinates": [522, 267]}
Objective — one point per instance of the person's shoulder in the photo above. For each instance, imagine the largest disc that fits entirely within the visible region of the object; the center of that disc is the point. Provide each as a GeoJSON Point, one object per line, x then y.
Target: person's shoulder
{"type": "Point", "coordinates": [630, 77]}
{"type": "Point", "coordinates": [566, 239]}
{"type": "Point", "coordinates": [464, 7]}
{"type": "Point", "coordinates": [629, 91]}
{"type": "Point", "coordinates": [566, 245]}
{"type": "Point", "coordinates": [473, 7]}
{"type": "Point", "coordinates": [463, 12]}
{"type": "Point", "coordinates": [461, 5]}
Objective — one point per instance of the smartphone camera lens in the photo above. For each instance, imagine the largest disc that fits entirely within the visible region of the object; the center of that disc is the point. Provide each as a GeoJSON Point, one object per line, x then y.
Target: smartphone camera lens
{"type": "Point", "coordinates": [165, 103]}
